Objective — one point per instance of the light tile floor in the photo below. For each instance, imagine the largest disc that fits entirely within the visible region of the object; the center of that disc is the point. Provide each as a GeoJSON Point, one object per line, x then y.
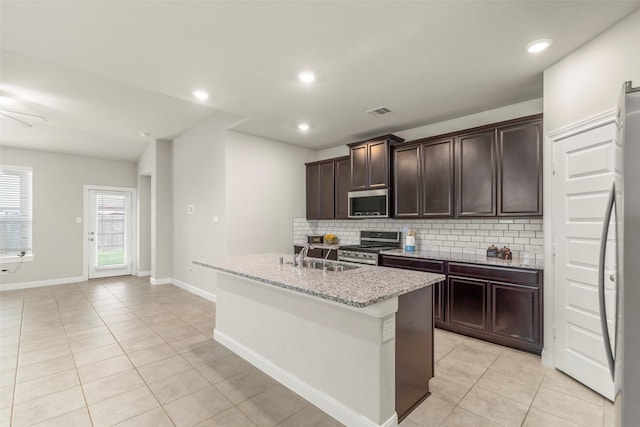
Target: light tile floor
{"type": "Point", "coordinates": [122, 352]}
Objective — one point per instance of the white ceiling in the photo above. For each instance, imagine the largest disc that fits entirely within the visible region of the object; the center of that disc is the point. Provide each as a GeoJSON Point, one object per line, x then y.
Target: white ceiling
{"type": "Point", "coordinates": [102, 72]}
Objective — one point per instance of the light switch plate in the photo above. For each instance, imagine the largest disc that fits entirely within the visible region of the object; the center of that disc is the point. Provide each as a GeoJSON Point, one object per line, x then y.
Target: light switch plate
{"type": "Point", "coordinates": [78, 220]}
{"type": "Point", "coordinates": [388, 329]}
{"type": "Point", "coordinates": [190, 209]}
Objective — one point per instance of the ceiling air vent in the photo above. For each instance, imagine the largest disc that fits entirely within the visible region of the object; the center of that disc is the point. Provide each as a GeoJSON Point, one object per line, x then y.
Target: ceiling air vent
{"type": "Point", "coordinates": [379, 111]}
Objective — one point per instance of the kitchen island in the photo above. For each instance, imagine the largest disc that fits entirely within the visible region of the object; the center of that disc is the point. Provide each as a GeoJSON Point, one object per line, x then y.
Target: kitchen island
{"type": "Point", "coordinates": [356, 343]}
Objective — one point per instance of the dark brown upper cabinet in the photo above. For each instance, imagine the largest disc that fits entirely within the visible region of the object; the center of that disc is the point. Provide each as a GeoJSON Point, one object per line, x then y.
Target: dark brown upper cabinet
{"type": "Point", "coordinates": [423, 180]}
{"type": "Point", "coordinates": [437, 179]}
{"type": "Point", "coordinates": [499, 170]}
{"type": "Point", "coordinates": [519, 170]}
{"type": "Point", "coordinates": [406, 182]}
{"type": "Point", "coordinates": [370, 167]}
{"type": "Point", "coordinates": [342, 187]}
{"type": "Point", "coordinates": [327, 188]}
{"type": "Point", "coordinates": [476, 174]}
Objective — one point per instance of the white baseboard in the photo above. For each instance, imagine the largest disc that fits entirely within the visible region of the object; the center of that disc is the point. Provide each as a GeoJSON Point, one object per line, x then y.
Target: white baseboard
{"type": "Point", "coordinates": [319, 398]}
{"type": "Point", "coordinates": [40, 283]}
{"type": "Point", "coordinates": [143, 273]}
{"type": "Point", "coordinates": [162, 281]}
{"type": "Point", "coordinates": [194, 290]}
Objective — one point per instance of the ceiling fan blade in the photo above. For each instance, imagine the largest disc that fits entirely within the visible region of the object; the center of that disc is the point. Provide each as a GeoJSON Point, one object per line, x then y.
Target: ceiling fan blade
{"type": "Point", "coordinates": [3, 114]}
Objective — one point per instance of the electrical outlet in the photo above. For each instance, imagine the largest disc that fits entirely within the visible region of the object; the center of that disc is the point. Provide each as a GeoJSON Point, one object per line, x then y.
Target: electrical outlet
{"type": "Point", "coordinates": [4, 271]}
{"type": "Point", "coordinates": [388, 329]}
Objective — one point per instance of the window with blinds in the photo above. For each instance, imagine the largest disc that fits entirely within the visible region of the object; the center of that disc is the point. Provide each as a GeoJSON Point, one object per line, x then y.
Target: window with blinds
{"type": "Point", "coordinates": [15, 210]}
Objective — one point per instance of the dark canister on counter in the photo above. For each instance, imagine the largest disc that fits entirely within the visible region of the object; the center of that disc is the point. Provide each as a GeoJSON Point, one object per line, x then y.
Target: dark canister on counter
{"type": "Point", "coordinates": [492, 251]}
{"type": "Point", "coordinates": [505, 253]}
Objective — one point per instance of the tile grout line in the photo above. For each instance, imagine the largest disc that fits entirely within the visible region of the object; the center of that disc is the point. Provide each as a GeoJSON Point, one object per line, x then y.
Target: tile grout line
{"type": "Point", "coordinates": [195, 368]}
{"type": "Point", "coordinates": [470, 388]}
{"type": "Point", "coordinates": [86, 404]}
{"type": "Point", "coordinates": [127, 354]}
{"type": "Point", "coordinates": [15, 375]}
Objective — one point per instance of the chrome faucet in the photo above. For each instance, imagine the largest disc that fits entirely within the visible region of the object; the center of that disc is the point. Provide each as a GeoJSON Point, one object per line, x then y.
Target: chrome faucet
{"type": "Point", "coordinates": [302, 254]}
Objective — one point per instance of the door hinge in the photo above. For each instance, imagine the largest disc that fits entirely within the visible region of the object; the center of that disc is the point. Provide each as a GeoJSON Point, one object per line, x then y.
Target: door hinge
{"type": "Point", "coordinates": [553, 167]}
{"type": "Point", "coordinates": [553, 249]}
{"type": "Point", "coordinates": [554, 332]}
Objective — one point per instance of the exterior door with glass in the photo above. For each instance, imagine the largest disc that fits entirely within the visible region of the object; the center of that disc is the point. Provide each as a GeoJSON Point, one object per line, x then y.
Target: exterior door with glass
{"type": "Point", "coordinates": [109, 233]}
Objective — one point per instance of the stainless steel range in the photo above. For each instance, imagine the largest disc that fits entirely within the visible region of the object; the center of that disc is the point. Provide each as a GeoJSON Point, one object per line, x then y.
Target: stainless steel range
{"type": "Point", "coordinates": [371, 243]}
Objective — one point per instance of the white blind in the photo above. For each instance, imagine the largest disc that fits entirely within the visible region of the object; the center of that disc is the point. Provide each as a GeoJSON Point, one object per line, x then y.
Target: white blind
{"type": "Point", "coordinates": [15, 210]}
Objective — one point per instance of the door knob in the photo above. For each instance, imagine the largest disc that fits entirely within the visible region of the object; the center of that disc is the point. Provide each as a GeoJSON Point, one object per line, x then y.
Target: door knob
{"type": "Point", "coordinates": [612, 278]}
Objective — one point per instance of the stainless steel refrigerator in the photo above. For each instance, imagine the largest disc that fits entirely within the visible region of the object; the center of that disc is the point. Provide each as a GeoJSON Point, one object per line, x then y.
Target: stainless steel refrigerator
{"type": "Point", "coordinates": [619, 272]}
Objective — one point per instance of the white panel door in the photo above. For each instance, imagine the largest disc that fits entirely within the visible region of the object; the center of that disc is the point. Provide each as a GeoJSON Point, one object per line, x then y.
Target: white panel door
{"type": "Point", "coordinates": [585, 164]}
{"type": "Point", "coordinates": [110, 233]}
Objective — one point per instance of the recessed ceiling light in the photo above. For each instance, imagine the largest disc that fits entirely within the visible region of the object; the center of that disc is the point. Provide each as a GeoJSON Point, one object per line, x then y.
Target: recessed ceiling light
{"type": "Point", "coordinates": [306, 77]}
{"type": "Point", "coordinates": [5, 100]}
{"type": "Point", "coordinates": [200, 94]}
{"type": "Point", "coordinates": [303, 127]}
{"type": "Point", "coordinates": [539, 45]}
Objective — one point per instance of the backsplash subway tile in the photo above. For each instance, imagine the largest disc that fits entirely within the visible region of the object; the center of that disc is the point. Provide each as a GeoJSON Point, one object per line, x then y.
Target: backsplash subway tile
{"type": "Point", "coordinates": [525, 237]}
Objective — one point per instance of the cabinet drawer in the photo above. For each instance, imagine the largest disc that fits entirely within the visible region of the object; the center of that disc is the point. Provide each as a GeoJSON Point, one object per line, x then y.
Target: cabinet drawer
{"type": "Point", "coordinates": [509, 275]}
{"type": "Point", "coordinates": [419, 264]}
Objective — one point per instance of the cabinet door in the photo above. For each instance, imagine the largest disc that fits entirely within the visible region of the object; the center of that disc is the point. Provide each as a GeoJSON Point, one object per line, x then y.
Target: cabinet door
{"type": "Point", "coordinates": [406, 182]}
{"type": "Point", "coordinates": [327, 197]}
{"type": "Point", "coordinates": [313, 191]}
{"type": "Point", "coordinates": [515, 312]}
{"type": "Point", "coordinates": [467, 303]}
{"type": "Point", "coordinates": [342, 187]}
{"type": "Point", "coordinates": [331, 254]}
{"type": "Point", "coordinates": [520, 169]}
{"type": "Point", "coordinates": [437, 179]}
{"type": "Point", "coordinates": [378, 164]}
{"type": "Point", "coordinates": [476, 174]}
{"type": "Point", "coordinates": [359, 171]}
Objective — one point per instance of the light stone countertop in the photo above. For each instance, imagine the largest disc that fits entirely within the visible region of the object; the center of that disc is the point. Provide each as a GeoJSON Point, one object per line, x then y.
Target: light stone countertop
{"type": "Point", "coordinates": [528, 263]}
{"type": "Point", "coordinates": [360, 287]}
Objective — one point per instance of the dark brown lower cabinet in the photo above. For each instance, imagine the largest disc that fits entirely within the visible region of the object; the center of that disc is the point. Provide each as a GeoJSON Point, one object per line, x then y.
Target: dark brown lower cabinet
{"type": "Point", "coordinates": [430, 266]}
{"type": "Point", "coordinates": [497, 304]}
{"type": "Point", "coordinates": [467, 303]}
{"type": "Point", "coordinates": [414, 349]}
{"type": "Point", "coordinates": [514, 313]}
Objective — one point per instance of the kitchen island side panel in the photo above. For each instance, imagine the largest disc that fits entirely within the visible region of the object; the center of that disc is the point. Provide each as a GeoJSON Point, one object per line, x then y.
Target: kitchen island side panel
{"type": "Point", "coordinates": [331, 354]}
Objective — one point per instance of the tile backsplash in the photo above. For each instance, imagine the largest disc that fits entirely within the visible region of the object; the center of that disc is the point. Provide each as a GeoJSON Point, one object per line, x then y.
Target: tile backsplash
{"type": "Point", "coordinates": [525, 237]}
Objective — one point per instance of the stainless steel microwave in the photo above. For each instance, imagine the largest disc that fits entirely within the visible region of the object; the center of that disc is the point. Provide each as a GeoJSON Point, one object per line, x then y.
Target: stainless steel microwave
{"type": "Point", "coordinates": [369, 204]}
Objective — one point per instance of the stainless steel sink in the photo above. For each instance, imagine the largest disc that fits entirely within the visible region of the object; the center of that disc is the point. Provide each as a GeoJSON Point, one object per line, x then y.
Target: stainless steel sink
{"type": "Point", "coordinates": [329, 266]}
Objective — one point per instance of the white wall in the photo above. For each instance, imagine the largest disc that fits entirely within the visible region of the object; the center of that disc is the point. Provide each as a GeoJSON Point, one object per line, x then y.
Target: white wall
{"type": "Point", "coordinates": [514, 111]}
{"type": "Point", "coordinates": [265, 190]}
{"type": "Point", "coordinates": [58, 182]}
{"type": "Point", "coordinates": [199, 180]}
{"type": "Point", "coordinates": [144, 224]}
{"type": "Point", "coordinates": [589, 80]}
{"type": "Point", "coordinates": [156, 164]}
{"type": "Point", "coordinates": [162, 214]}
